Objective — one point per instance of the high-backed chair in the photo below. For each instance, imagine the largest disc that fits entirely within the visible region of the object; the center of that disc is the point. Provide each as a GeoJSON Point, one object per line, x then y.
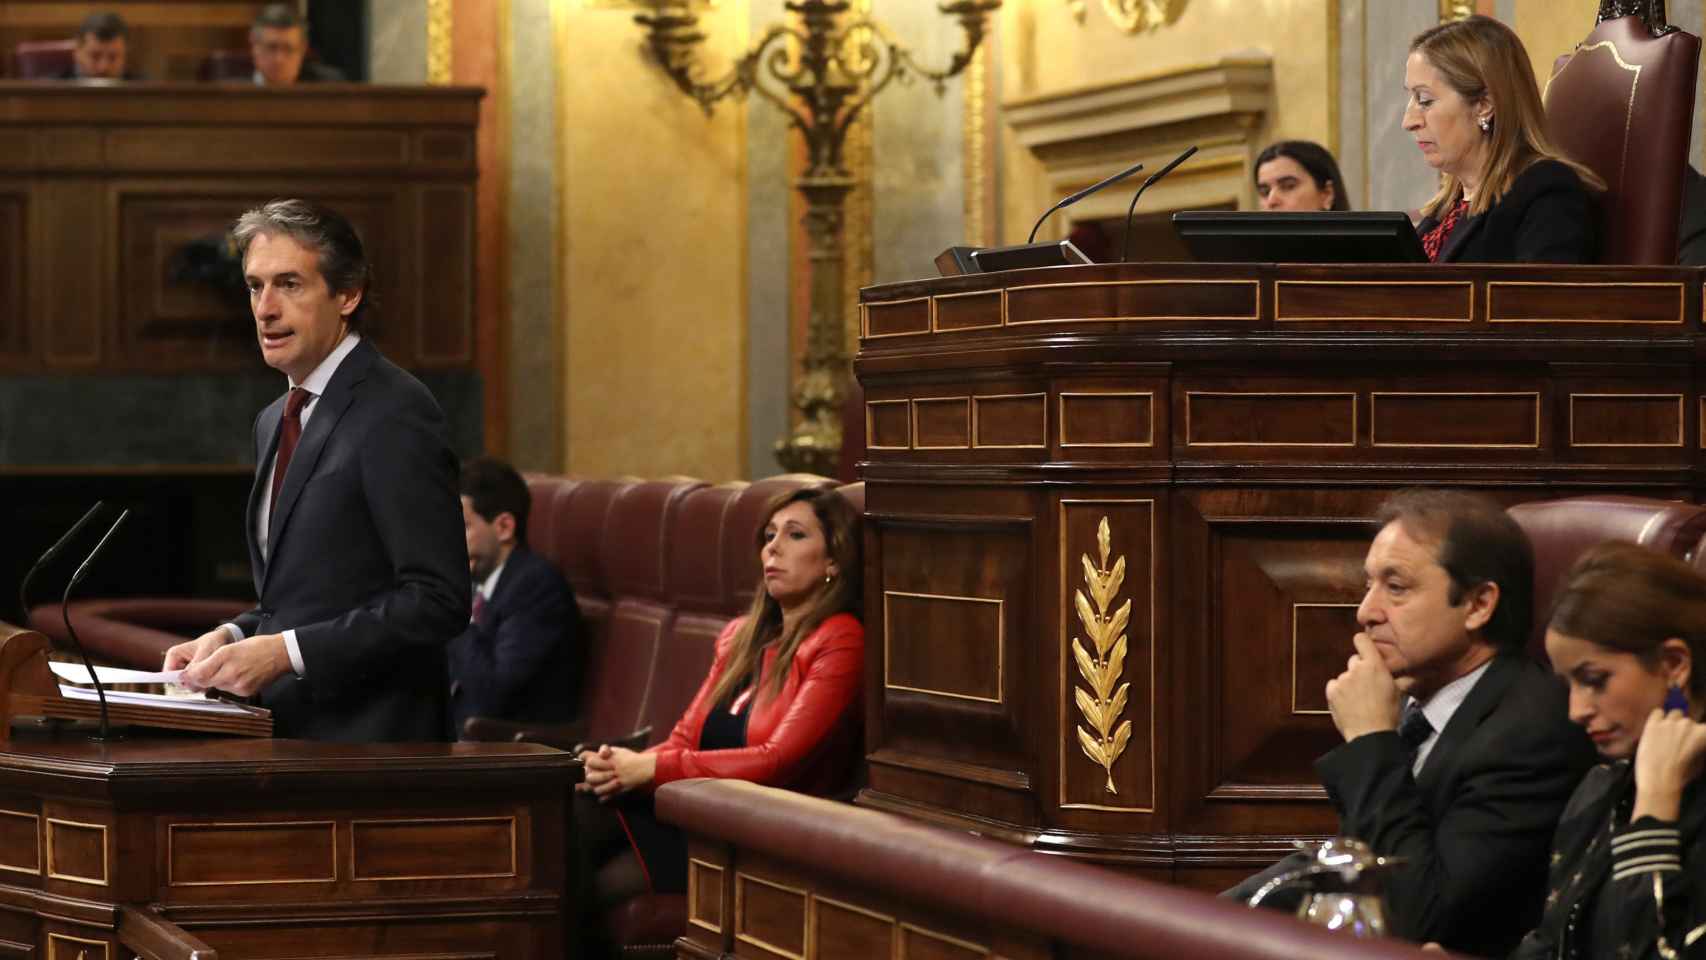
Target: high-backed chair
{"type": "Point", "coordinates": [1623, 105]}
{"type": "Point", "coordinates": [43, 59]}
{"type": "Point", "coordinates": [227, 66]}
{"type": "Point", "coordinates": [1562, 530]}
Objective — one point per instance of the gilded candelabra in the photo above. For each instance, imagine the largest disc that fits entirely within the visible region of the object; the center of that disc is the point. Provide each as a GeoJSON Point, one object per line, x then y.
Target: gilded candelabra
{"type": "Point", "coordinates": [821, 72]}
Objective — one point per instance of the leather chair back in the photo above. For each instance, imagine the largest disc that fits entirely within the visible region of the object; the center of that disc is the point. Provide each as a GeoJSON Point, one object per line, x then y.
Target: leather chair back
{"type": "Point", "coordinates": [698, 582]}
{"type": "Point", "coordinates": [634, 546]}
{"type": "Point", "coordinates": [43, 60]}
{"type": "Point", "coordinates": [1562, 530]}
{"type": "Point", "coordinates": [1623, 104]}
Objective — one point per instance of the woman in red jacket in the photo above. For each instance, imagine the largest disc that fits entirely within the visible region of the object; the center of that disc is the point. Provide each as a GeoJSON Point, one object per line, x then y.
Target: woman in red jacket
{"type": "Point", "coordinates": [782, 703]}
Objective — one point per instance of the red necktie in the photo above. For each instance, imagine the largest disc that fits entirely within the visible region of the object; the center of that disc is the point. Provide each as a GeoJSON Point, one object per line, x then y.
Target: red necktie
{"type": "Point", "coordinates": [479, 607]}
{"type": "Point", "coordinates": [290, 431]}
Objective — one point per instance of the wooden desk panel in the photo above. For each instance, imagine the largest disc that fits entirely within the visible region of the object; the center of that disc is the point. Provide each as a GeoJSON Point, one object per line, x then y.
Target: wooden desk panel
{"type": "Point", "coordinates": [284, 848]}
{"type": "Point", "coordinates": [1136, 597]}
{"type": "Point", "coordinates": [108, 194]}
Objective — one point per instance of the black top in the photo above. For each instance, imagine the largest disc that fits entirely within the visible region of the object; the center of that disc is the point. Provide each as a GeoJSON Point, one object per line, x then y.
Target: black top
{"type": "Point", "coordinates": [1547, 216]}
{"type": "Point", "coordinates": [1616, 887]}
{"type": "Point", "coordinates": [724, 730]}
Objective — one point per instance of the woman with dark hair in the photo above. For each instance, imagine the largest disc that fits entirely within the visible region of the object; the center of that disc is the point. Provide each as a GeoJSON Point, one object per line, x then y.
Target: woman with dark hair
{"type": "Point", "coordinates": [1507, 193]}
{"type": "Point", "coordinates": [781, 705]}
{"type": "Point", "coordinates": [1629, 860]}
{"type": "Point", "coordinates": [1299, 175]}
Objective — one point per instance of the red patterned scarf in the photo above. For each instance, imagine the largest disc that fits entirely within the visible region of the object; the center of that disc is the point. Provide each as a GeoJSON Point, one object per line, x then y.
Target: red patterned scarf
{"type": "Point", "coordinates": [1434, 239]}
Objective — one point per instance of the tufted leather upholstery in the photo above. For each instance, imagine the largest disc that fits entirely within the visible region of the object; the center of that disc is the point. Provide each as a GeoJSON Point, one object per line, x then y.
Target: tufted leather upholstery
{"type": "Point", "coordinates": [1562, 530]}
{"type": "Point", "coordinates": [43, 60]}
{"type": "Point", "coordinates": [1633, 134]}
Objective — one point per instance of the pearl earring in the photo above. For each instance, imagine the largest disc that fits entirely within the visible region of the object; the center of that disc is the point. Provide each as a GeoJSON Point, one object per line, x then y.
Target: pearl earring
{"type": "Point", "coordinates": [1486, 124]}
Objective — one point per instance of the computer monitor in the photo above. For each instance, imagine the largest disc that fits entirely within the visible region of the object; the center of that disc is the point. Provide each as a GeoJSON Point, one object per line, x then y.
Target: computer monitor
{"type": "Point", "coordinates": [1328, 236]}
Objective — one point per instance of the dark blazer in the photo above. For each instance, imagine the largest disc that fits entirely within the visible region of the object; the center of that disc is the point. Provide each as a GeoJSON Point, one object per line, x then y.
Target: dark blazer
{"type": "Point", "coordinates": [1606, 898]}
{"type": "Point", "coordinates": [315, 71]}
{"type": "Point", "coordinates": [1547, 216]}
{"type": "Point", "coordinates": [522, 661]}
{"type": "Point", "coordinates": [1691, 228]}
{"type": "Point", "coordinates": [1476, 826]}
{"type": "Point", "coordinates": [367, 561]}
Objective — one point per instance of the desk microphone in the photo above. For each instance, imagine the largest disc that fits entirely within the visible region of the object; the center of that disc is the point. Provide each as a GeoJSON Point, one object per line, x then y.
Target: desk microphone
{"type": "Point", "coordinates": [70, 631]}
{"type": "Point", "coordinates": [48, 556]}
{"type": "Point", "coordinates": [1131, 211]}
{"type": "Point", "coordinates": [1092, 188]}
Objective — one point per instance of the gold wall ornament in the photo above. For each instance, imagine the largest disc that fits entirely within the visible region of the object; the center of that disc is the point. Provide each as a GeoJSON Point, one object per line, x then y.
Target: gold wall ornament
{"type": "Point", "coordinates": [821, 70]}
{"type": "Point", "coordinates": [440, 30]}
{"type": "Point", "coordinates": [1450, 10]}
{"type": "Point", "coordinates": [1134, 16]}
{"type": "Point", "coordinates": [1102, 705]}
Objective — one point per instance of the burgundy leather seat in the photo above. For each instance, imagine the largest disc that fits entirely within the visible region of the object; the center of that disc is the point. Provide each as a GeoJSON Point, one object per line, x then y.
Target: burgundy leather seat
{"type": "Point", "coordinates": [43, 60]}
{"type": "Point", "coordinates": [1633, 134]}
{"type": "Point", "coordinates": [1561, 530]}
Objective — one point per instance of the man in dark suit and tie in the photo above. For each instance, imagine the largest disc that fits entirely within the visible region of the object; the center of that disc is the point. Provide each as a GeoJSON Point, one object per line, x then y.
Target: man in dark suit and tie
{"type": "Point", "coordinates": [1459, 755]}
{"type": "Point", "coordinates": [357, 555]}
{"type": "Point", "coordinates": [520, 656]}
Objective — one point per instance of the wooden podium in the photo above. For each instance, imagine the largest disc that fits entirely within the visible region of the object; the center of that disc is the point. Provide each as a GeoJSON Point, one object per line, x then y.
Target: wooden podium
{"type": "Point", "coordinates": [177, 847]}
{"type": "Point", "coordinates": [1116, 517]}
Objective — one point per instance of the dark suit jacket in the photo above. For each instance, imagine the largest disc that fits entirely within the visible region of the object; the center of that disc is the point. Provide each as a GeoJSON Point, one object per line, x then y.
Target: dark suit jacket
{"type": "Point", "coordinates": [314, 71]}
{"type": "Point", "coordinates": [1691, 228]}
{"type": "Point", "coordinates": [522, 660]}
{"type": "Point", "coordinates": [1476, 826]}
{"type": "Point", "coordinates": [1547, 216]}
{"type": "Point", "coordinates": [366, 561]}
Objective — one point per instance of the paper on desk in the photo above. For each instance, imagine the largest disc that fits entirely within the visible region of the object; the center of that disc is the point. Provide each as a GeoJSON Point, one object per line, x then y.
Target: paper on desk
{"type": "Point", "coordinates": [77, 673]}
{"type": "Point", "coordinates": [188, 704]}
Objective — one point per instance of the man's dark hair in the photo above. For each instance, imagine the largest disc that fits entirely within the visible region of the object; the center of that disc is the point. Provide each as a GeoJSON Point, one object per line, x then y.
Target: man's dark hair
{"type": "Point", "coordinates": [342, 259]}
{"type": "Point", "coordinates": [1477, 542]}
{"type": "Point", "coordinates": [493, 487]}
{"type": "Point", "coordinates": [106, 27]}
{"type": "Point", "coordinates": [281, 16]}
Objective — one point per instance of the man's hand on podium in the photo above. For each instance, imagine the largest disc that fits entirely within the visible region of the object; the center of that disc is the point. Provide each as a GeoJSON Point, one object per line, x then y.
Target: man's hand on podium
{"type": "Point", "coordinates": [244, 668]}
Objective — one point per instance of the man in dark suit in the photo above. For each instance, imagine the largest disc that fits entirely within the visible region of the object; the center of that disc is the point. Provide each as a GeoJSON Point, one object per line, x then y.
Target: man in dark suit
{"type": "Point", "coordinates": [352, 522]}
{"type": "Point", "coordinates": [278, 43]}
{"type": "Point", "coordinates": [101, 51]}
{"type": "Point", "coordinates": [1459, 755]}
{"type": "Point", "coordinates": [519, 658]}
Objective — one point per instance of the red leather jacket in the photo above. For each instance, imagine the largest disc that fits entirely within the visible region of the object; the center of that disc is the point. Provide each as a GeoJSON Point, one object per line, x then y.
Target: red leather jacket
{"type": "Point", "coordinates": [808, 737]}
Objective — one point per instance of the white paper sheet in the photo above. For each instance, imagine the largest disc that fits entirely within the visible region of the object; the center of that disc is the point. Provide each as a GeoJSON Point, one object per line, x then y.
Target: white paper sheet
{"type": "Point", "coordinates": [77, 673]}
{"type": "Point", "coordinates": [187, 704]}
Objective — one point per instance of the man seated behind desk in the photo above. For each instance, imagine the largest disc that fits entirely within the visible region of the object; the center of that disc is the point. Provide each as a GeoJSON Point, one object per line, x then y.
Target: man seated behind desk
{"type": "Point", "coordinates": [101, 49]}
{"type": "Point", "coordinates": [520, 657]}
{"type": "Point", "coordinates": [351, 520]}
{"type": "Point", "coordinates": [278, 42]}
{"type": "Point", "coordinates": [1459, 755]}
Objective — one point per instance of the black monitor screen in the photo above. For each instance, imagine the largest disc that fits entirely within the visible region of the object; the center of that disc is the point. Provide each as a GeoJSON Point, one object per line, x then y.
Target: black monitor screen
{"type": "Point", "coordinates": [1330, 236]}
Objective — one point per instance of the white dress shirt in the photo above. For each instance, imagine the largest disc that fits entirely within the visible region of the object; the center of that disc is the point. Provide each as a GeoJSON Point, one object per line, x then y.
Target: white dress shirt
{"type": "Point", "coordinates": [315, 383]}
{"type": "Point", "coordinates": [1441, 706]}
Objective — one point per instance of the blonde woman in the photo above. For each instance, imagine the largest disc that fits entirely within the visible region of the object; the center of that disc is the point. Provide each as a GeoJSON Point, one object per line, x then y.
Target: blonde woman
{"type": "Point", "coordinates": [1507, 193]}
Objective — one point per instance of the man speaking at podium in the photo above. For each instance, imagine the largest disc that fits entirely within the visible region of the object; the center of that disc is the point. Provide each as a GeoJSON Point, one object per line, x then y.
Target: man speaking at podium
{"type": "Point", "coordinates": [354, 524]}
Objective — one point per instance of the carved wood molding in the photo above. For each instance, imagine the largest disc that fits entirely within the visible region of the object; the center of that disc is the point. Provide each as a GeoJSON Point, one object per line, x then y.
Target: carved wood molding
{"type": "Point", "coordinates": [1082, 135]}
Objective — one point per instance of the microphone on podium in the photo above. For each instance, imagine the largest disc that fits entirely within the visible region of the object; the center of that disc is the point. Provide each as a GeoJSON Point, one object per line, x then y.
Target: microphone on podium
{"type": "Point", "coordinates": [958, 260]}
{"type": "Point", "coordinates": [52, 552]}
{"type": "Point", "coordinates": [1131, 211]}
{"type": "Point", "coordinates": [70, 631]}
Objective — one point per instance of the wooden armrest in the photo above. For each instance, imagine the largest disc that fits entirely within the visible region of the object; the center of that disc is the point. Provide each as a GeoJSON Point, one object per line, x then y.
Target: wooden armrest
{"type": "Point", "coordinates": [153, 937]}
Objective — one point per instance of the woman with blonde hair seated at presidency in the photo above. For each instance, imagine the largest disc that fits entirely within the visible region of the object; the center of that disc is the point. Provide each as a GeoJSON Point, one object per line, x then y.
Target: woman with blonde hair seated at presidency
{"type": "Point", "coordinates": [1507, 193]}
{"type": "Point", "coordinates": [1628, 874]}
{"type": "Point", "coordinates": [781, 706]}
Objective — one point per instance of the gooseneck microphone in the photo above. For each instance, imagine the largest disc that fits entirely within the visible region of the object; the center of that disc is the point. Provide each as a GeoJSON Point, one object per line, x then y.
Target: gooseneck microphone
{"type": "Point", "coordinates": [70, 631]}
{"type": "Point", "coordinates": [49, 555]}
{"type": "Point", "coordinates": [1092, 188]}
{"type": "Point", "coordinates": [1131, 211]}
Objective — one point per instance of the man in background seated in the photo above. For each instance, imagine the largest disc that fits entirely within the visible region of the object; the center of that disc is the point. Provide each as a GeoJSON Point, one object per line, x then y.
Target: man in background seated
{"type": "Point", "coordinates": [520, 657]}
{"type": "Point", "coordinates": [1459, 755]}
{"type": "Point", "coordinates": [100, 51]}
{"type": "Point", "coordinates": [278, 41]}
